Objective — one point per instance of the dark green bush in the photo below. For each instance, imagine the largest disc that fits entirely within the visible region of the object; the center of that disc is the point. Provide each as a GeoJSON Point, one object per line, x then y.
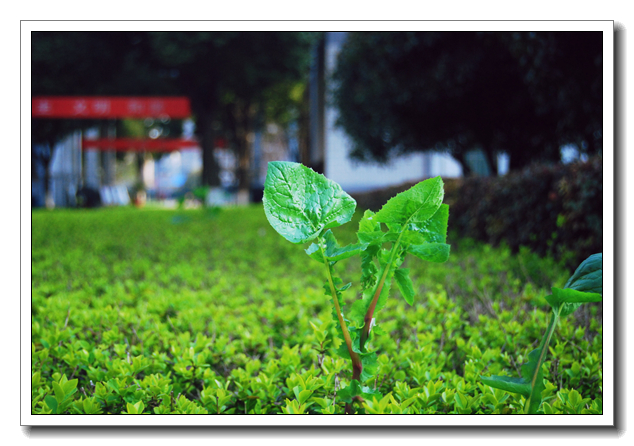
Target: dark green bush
{"type": "Point", "coordinates": [551, 209]}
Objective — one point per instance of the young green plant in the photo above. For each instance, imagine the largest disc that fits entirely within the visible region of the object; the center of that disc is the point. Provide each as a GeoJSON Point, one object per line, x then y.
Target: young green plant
{"type": "Point", "coordinates": [585, 285]}
{"type": "Point", "coordinates": [302, 206]}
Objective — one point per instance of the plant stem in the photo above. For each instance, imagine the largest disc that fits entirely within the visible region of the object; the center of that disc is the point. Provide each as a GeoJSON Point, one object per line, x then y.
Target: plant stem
{"type": "Point", "coordinates": [542, 354]}
{"type": "Point", "coordinates": [357, 366]}
{"type": "Point", "coordinates": [379, 287]}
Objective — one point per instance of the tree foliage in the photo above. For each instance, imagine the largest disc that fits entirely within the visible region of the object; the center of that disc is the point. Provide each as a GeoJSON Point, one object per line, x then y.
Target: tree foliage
{"type": "Point", "coordinates": [522, 93]}
{"type": "Point", "coordinates": [234, 79]}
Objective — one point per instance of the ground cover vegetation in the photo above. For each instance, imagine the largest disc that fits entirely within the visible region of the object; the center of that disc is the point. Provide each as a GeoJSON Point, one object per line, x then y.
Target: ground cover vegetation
{"type": "Point", "coordinates": [207, 312]}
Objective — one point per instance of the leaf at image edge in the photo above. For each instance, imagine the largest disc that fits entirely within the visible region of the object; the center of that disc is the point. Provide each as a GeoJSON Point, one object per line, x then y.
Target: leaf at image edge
{"type": "Point", "coordinates": [588, 277]}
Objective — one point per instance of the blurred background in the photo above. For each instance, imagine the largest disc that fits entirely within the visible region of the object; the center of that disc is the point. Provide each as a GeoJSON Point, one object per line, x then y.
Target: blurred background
{"type": "Point", "coordinates": [512, 121]}
{"type": "Point", "coordinates": [367, 109]}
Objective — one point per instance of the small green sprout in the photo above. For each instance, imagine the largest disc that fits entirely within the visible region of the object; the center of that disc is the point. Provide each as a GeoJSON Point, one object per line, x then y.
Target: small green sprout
{"type": "Point", "coordinates": [302, 206]}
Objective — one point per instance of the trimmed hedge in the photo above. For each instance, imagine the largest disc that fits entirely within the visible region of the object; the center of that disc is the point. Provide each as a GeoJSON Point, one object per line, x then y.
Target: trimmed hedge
{"type": "Point", "coordinates": [551, 209]}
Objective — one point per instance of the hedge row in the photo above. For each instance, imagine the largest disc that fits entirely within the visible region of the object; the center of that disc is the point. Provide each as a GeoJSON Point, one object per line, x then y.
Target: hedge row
{"type": "Point", "coordinates": [551, 209]}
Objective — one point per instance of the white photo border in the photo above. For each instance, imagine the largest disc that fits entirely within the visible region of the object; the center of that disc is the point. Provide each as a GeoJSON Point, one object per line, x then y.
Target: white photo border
{"type": "Point", "coordinates": [606, 419]}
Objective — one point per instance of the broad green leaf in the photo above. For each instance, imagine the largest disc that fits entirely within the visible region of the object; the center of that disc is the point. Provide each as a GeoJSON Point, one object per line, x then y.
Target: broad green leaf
{"type": "Point", "coordinates": [51, 402]}
{"type": "Point", "coordinates": [461, 401]}
{"type": "Point", "coordinates": [302, 395]}
{"type": "Point", "coordinates": [405, 284]}
{"type": "Point", "coordinates": [377, 405]}
{"type": "Point", "coordinates": [299, 203]}
{"type": "Point", "coordinates": [59, 392]}
{"type": "Point", "coordinates": [417, 204]}
{"type": "Point", "coordinates": [411, 238]}
{"type": "Point", "coordinates": [568, 295]}
{"type": "Point", "coordinates": [434, 230]}
{"type": "Point", "coordinates": [377, 238]}
{"type": "Point", "coordinates": [70, 387]}
{"type": "Point", "coordinates": [87, 406]}
{"type": "Point", "coordinates": [113, 385]}
{"type": "Point", "coordinates": [530, 385]}
{"type": "Point", "coordinates": [588, 277]}
{"type": "Point", "coordinates": [432, 252]}
{"type": "Point", "coordinates": [322, 402]}
{"type": "Point", "coordinates": [408, 402]}
{"type": "Point", "coordinates": [570, 299]}
{"type": "Point", "coordinates": [321, 332]}
{"type": "Point", "coordinates": [35, 380]}
{"type": "Point", "coordinates": [508, 383]}
{"type": "Point", "coordinates": [333, 252]}
{"type": "Point", "coordinates": [548, 409]}
{"type": "Point", "coordinates": [355, 389]}
{"type": "Point", "coordinates": [585, 285]}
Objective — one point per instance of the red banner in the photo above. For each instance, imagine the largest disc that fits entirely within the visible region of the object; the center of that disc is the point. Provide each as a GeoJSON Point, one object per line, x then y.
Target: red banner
{"type": "Point", "coordinates": [110, 107]}
{"type": "Point", "coordinates": [139, 145]}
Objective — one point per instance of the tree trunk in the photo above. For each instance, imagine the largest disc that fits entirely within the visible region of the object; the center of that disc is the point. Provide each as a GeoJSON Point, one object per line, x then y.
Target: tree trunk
{"type": "Point", "coordinates": [491, 161]}
{"type": "Point", "coordinates": [241, 119]}
{"type": "Point", "coordinates": [460, 157]}
{"type": "Point", "coordinates": [519, 159]}
{"type": "Point", "coordinates": [303, 139]}
{"type": "Point", "coordinates": [205, 130]}
{"type": "Point", "coordinates": [47, 176]}
{"type": "Point", "coordinates": [140, 162]}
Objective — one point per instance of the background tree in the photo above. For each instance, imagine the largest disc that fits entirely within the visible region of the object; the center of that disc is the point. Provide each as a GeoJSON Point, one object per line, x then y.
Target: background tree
{"type": "Point", "coordinates": [86, 64]}
{"type": "Point", "coordinates": [400, 92]}
{"type": "Point", "coordinates": [564, 75]}
{"type": "Point", "coordinates": [230, 77]}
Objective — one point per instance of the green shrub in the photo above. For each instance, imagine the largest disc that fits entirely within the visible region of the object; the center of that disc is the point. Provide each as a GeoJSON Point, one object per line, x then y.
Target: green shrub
{"type": "Point", "coordinates": [215, 313]}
